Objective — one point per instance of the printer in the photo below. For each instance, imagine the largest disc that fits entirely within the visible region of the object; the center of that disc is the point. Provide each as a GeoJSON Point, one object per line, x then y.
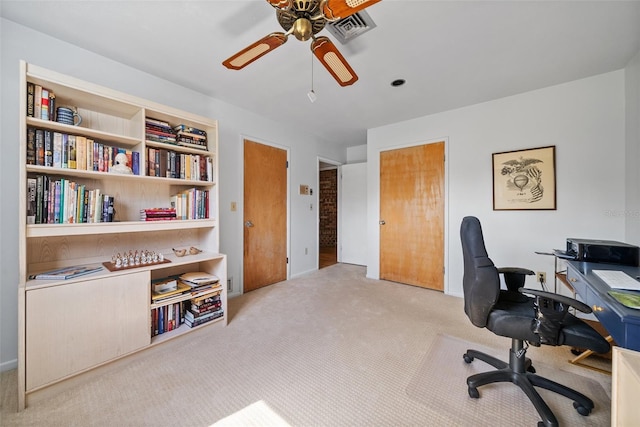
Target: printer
{"type": "Point", "coordinates": [604, 251]}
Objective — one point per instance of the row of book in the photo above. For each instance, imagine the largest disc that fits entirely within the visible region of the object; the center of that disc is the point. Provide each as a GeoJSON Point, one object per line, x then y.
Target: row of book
{"type": "Point", "coordinates": [170, 164]}
{"type": "Point", "coordinates": [193, 312]}
{"type": "Point", "coordinates": [40, 102]}
{"type": "Point", "coordinates": [183, 135]}
{"type": "Point", "coordinates": [192, 203]}
{"type": "Point", "coordinates": [61, 201]}
{"type": "Point", "coordinates": [61, 150]}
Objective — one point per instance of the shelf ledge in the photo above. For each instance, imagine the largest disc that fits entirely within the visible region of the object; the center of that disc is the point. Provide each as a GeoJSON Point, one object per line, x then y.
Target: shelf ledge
{"type": "Point", "coordinates": [83, 229]}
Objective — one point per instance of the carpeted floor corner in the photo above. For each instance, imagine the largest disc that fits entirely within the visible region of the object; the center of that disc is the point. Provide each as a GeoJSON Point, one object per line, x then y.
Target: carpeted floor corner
{"type": "Point", "coordinates": [501, 404]}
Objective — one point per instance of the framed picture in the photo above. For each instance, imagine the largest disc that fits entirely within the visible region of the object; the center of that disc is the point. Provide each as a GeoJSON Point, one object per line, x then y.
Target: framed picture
{"type": "Point", "coordinates": [525, 179]}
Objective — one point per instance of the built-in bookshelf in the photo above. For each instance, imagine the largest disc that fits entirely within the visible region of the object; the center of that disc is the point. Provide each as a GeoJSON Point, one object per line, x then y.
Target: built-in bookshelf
{"type": "Point", "coordinates": [81, 207]}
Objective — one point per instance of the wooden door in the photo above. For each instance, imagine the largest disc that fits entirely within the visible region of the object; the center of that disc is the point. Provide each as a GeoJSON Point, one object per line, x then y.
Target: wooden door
{"type": "Point", "coordinates": [412, 215]}
{"type": "Point", "coordinates": [265, 215]}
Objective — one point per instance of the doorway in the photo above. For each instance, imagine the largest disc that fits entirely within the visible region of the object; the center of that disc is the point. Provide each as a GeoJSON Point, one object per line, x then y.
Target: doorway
{"type": "Point", "coordinates": [328, 175]}
{"type": "Point", "coordinates": [412, 215]}
{"type": "Point", "coordinates": [265, 215]}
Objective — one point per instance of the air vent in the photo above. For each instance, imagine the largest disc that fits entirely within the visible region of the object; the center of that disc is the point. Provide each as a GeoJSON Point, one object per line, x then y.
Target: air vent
{"type": "Point", "coordinates": [349, 28]}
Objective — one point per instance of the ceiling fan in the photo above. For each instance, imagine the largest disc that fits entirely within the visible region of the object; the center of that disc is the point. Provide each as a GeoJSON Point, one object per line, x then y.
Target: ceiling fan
{"type": "Point", "coordinates": [304, 19]}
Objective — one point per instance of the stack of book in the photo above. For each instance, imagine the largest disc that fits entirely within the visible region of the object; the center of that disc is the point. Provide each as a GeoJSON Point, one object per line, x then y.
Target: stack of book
{"type": "Point", "coordinates": [189, 136]}
{"type": "Point", "coordinates": [157, 214]}
{"type": "Point", "coordinates": [166, 288]}
{"type": "Point", "coordinates": [159, 131]}
{"type": "Point", "coordinates": [199, 281]}
{"type": "Point", "coordinates": [203, 309]}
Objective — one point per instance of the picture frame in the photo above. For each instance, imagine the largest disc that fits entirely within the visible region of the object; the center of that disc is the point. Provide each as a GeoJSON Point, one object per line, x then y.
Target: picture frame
{"type": "Point", "coordinates": [525, 179]}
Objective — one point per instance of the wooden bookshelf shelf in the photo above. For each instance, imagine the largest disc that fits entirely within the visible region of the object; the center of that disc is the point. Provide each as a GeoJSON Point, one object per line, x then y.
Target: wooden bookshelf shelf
{"type": "Point", "coordinates": [86, 229]}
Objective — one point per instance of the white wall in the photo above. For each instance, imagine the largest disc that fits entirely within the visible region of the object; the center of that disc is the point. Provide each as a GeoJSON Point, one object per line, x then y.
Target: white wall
{"type": "Point", "coordinates": [584, 119]}
{"type": "Point", "coordinates": [632, 97]}
{"type": "Point", "coordinates": [22, 43]}
{"type": "Point", "coordinates": [357, 154]}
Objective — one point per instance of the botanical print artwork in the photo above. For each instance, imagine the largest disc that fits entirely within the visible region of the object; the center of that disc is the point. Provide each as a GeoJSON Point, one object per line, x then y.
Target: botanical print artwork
{"type": "Point", "coordinates": [524, 179]}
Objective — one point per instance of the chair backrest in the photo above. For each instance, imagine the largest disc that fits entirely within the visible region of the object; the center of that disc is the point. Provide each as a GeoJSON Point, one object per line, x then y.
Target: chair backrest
{"type": "Point", "coordinates": [481, 282]}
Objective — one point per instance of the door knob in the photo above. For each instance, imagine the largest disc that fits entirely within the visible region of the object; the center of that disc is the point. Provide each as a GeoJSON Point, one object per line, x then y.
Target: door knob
{"type": "Point", "coordinates": [248, 224]}
{"type": "Point", "coordinates": [382, 222]}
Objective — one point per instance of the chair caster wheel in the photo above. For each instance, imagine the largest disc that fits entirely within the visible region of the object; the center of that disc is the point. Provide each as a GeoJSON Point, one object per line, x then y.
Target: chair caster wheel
{"type": "Point", "coordinates": [582, 410]}
{"type": "Point", "coordinates": [467, 358]}
{"type": "Point", "coordinates": [473, 393]}
{"type": "Point", "coordinates": [541, 424]}
{"type": "Point", "coordinates": [531, 369]}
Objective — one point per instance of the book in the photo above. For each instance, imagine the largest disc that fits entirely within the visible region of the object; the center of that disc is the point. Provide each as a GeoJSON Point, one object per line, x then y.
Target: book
{"type": "Point", "coordinates": [48, 148]}
{"type": "Point", "coordinates": [37, 102]}
{"type": "Point", "coordinates": [31, 146]}
{"type": "Point", "coordinates": [200, 321]}
{"type": "Point", "coordinates": [71, 147]}
{"type": "Point", "coordinates": [31, 88]}
{"type": "Point", "coordinates": [57, 150]}
{"type": "Point", "coordinates": [199, 278]}
{"type": "Point", "coordinates": [189, 129]}
{"type": "Point", "coordinates": [135, 162]}
{"type": "Point", "coordinates": [66, 272]}
{"type": "Point", "coordinates": [44, 104]}
{"type": "Point", "coordinates": [40, 147]}
{"type": "Point", "coordinates": [81, 152]}
{"type": "Point", "coordinates": [52, 106]}
{"type": "Point", "coordinates": [157, 296]}
{"type": "Point", "coordinates": [31, 200]}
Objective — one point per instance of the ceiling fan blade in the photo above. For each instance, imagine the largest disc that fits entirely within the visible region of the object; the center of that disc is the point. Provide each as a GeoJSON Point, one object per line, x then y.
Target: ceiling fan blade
{"type": "Point", "coordinates": [280, 4]}
{"type": "Point", "coordinates": [338, 9]}
{"type": "Point", "coordinates": [250, 53]}
{"type": "Point", "coordinates": [334, 62]}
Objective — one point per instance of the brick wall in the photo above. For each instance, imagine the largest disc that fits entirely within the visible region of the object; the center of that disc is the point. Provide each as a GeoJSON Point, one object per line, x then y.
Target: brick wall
{"type": "Point", "coordinates": [328, 208]}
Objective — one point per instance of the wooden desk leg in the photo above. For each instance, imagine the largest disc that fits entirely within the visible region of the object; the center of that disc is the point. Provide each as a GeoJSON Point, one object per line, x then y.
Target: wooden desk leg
{"type": "Point", "coordinates": [578, 359]}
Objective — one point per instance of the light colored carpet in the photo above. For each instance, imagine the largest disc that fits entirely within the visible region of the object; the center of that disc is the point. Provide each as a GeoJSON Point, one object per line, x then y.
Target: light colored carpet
{"type": "Point", "coordinates": [500, 404]}
{"type": "Point", "coordinates": [330, 348]}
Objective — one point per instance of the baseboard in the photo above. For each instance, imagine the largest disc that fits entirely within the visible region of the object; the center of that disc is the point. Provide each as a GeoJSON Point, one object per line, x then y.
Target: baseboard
{"type": "Point", "coordinates": [293, 276]}
{"type": "Point", "coordinates": [9, 365]}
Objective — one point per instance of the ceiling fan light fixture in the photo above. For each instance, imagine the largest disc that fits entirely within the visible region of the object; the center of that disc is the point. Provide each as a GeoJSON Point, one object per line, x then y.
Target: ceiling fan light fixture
{"type": "Point", "coordinates": [302, 29]}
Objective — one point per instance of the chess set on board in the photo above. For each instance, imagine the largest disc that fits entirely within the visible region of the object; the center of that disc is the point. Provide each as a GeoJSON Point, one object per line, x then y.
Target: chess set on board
{"type": "Point", "coordinates": [132, 259]}
{"type": "Point", "coordinates": [141, 258]}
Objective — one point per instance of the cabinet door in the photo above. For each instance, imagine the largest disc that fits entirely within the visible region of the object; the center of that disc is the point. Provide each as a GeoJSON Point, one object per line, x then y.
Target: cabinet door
{"type": "Point", "coordinates": [77, 326]}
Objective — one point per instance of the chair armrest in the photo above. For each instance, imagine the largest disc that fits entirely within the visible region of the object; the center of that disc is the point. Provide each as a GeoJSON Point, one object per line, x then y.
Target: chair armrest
{"type": "Point", "coordinates": [515, 270]}
{"type": "Point", "coordinates": [578, 305]}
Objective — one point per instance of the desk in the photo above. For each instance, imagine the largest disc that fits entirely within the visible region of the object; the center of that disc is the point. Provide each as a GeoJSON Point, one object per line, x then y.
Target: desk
{"type": "Point", "coordinates": [621, 322]}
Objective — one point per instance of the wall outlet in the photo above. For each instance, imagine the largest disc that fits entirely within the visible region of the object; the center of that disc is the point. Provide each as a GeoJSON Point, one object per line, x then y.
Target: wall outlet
{"type": "Point", "coordinates": [541, 277]}
{"type": "Point", "coordinates": [230, 284]}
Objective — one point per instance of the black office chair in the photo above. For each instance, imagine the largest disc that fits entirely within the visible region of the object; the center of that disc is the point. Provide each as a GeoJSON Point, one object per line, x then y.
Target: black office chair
{"type": "Point", "coordinates": [541, 319]}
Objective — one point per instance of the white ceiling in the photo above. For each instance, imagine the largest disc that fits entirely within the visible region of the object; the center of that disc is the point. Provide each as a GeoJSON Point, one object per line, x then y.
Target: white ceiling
{"type": "Point", "coordinates": [451, 53]}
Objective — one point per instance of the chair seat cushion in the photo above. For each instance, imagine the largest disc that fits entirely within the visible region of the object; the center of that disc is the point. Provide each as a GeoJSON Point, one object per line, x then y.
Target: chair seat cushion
{"type": "Point", "coordinates": [516, 319]}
